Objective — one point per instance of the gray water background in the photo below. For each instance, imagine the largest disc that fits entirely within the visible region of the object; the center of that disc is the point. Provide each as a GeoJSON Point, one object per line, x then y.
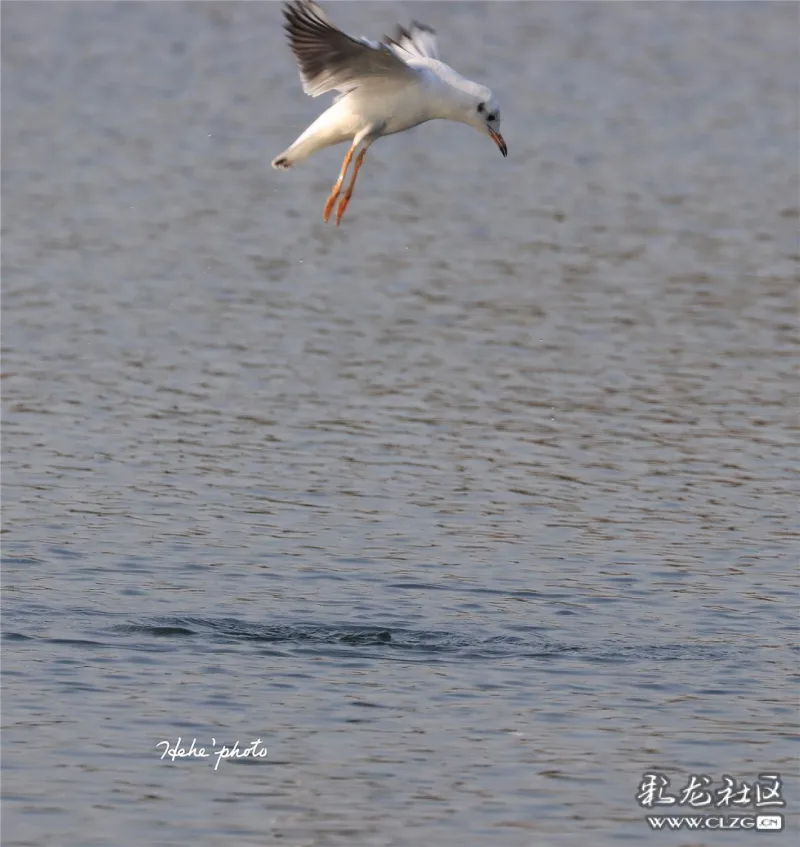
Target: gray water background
{"type": "Point", "coordinates": [473, 509]}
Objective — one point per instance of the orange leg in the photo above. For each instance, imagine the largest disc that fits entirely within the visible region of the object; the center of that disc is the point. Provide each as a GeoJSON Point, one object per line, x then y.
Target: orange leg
{"type": "Point", "coordinates": [349, 193]}
{"type": "Point", "coordinates": [337, 187]}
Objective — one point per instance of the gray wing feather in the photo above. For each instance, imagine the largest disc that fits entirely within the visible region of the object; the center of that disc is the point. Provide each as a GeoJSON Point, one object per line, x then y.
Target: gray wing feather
{"type": "Point", "coordinates": [330, 59]}
{"type": "Point", "coordinates": [418, 42]}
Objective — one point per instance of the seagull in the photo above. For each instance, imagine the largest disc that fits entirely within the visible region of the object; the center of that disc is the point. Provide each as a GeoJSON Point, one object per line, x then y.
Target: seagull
{"type": "Point", "coordinates": [384, 87]}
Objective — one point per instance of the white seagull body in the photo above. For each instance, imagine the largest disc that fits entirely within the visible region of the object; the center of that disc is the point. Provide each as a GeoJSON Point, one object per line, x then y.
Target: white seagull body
{"type": "Point", "coordinates": [384, 87]}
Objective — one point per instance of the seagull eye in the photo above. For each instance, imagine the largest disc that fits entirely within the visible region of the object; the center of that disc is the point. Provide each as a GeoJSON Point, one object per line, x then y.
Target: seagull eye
{"type": "Point", "coordinates": [490, 117]}
{"type": "Point", "coordinates": [481, 107]}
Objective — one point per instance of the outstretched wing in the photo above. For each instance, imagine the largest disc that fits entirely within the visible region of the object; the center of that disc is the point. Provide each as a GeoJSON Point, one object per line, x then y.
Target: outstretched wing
{"type": "Point", "coordinates": [329, 59]}
{"type": "Point", "coordinates": [419, 42]}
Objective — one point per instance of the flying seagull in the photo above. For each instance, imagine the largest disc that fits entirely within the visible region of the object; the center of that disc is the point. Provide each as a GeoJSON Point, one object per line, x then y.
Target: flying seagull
{"type": "Point", "coordinates": [384, 87]}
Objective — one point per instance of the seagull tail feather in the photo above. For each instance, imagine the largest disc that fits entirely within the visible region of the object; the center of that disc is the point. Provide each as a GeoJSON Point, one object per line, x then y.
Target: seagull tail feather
{"type": "Point", "coordinates": [282, 162]}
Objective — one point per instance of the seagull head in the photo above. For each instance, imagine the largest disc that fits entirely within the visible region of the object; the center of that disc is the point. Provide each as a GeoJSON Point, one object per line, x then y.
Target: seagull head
{"type": "Point", "coordinates": [483, 113]}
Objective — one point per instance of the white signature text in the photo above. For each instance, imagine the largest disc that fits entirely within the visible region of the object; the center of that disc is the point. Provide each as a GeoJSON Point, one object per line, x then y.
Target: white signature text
{"type": "Point", "coordinates": [179, 750]}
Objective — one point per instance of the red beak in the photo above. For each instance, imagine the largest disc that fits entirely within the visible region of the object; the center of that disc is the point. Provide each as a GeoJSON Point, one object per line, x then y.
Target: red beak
{"type": "Point", "coordinates": [499, 141]}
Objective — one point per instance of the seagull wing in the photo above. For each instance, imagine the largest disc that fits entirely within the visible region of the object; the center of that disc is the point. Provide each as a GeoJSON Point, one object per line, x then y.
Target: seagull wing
{"type": "Point", "coordinates": [330, 59]}
{"type": "Point", "coordinates": [419, 42]}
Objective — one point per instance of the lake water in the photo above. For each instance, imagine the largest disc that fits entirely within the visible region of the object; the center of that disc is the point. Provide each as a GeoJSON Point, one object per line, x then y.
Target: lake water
{"type": "Point", "coordinates": [473, 510]}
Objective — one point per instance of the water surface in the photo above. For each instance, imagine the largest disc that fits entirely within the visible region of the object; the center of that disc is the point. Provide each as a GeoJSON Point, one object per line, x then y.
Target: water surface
{"type": "Point", "coordinates": [473, 509]}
